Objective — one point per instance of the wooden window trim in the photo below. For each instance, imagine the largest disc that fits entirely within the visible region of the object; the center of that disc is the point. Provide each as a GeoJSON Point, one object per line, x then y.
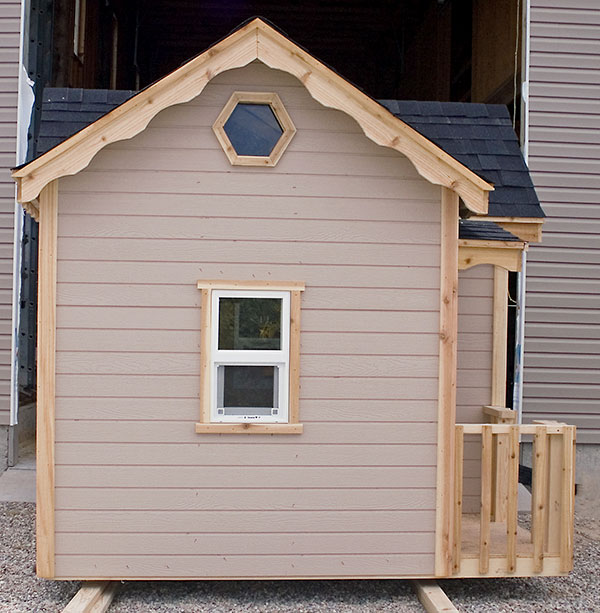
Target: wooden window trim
{"type": "Point", "coordinates": [285, 121]}
{"type": "Point", "coordinates": [293, 426]}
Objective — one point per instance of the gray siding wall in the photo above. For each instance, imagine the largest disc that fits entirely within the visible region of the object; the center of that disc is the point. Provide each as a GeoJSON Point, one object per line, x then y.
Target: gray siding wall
{"type": "Point", "coordinates": [562, 360]}
{"type": "Point", "coordinates": [474, 378]}
{"type": "Point", "coordinates": [139, 494]}
{"type": "Point", "coordinates": [10, 15]}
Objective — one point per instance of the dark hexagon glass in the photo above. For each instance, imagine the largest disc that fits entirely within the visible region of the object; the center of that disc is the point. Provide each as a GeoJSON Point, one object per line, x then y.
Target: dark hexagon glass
{"type": "Point", "coordinates": [253, 129]}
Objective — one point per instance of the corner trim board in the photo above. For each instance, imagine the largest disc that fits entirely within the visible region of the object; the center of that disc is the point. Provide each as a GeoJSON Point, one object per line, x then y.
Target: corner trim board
{"type": "Point", "coordinates": [444, 529]}
{"type": "Point", "coordinates": [46, 384]}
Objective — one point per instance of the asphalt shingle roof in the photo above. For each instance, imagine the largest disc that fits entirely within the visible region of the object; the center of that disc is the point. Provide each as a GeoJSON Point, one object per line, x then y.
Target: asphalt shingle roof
{"type": "Point", "coordinates": [484, 231]}
{"type": "Point", "coordinates": [65, 111]}
{"type": "Point", "coordinates": [481, 137]}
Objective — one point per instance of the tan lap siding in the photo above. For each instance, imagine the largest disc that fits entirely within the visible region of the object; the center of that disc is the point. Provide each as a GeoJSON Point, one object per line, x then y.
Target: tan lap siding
{"type": "Point", "coordinates": [139, 494]}
{"type": "Point", "coordinates": [474, 382]}
{"type": "Point", "coordinates": [562, 344]}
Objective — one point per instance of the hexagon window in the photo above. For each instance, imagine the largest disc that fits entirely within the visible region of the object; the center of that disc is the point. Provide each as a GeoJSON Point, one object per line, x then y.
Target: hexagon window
{"type": "Point", "coordinates": [254, 128]}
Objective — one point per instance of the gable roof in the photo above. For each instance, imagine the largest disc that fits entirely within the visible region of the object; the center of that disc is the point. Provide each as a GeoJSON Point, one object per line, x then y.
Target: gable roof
{"type": "Point", "coordinates": [481, 137]}
{"type": "Point", "coordinates": [253, 41]}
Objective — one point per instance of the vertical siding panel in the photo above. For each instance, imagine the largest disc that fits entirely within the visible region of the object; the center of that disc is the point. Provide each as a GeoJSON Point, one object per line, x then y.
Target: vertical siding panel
{"type": "Point", "coordinates": [10, 13]}
{"type": "Point", "coordinates": [563, 272]}
{"type": "Point", "coordinates": [370, 318]}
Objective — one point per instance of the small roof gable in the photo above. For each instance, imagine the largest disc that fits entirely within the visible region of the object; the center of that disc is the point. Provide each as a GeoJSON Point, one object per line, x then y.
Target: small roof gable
{"type": "Point", "coordinates": [481, 137]}
{"type": "Point", "coordinates": [253, 41]}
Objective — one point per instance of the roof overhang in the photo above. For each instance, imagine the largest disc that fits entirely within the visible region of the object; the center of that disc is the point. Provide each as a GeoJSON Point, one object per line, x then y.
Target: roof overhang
{"type": "Point", "coordinates": [254, 41]}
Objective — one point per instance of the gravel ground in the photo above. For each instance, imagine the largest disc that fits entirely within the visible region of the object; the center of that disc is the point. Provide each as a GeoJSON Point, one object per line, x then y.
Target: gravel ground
{"type": "Point", "coordinates": [22, 592]}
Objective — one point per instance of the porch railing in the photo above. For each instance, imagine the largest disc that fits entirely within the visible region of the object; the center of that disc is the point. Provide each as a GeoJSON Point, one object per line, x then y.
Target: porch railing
{"type": "Point", "coordinates": [500, 545]}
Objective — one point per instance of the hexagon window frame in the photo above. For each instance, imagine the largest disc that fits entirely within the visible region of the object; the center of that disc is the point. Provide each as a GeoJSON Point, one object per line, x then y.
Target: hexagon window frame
{"type": "Point", "coordinates": [282, 116]}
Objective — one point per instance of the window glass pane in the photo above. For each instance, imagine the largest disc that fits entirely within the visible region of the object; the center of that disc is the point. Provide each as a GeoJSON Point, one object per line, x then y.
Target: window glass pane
{"type": "Point", "coordinates": [247, 386]}
{"type": "Point", "coordinates": [253, 129]}
{"type": "Point", "coordinates": [250, 323]}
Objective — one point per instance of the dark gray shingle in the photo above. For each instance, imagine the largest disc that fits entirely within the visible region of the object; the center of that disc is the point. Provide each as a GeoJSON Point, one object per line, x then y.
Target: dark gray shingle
{"type": "Point", "coordinates": [481, 137]}
{"type": "Point", "coordinates": [484, 230]}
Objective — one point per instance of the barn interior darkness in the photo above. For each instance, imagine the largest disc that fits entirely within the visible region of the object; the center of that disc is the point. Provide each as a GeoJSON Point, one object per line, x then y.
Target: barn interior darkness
{"type": "Point", "coordinates": [460, 50]}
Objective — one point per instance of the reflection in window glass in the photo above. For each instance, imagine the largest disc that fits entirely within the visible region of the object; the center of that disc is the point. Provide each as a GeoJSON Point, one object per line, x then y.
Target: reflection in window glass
{"type": "Point", "coordinates": [250, 323]}
{"type": "Point", "coordinates": [247, 386]}
{"type": "Point", "coordinates": [253, 129]}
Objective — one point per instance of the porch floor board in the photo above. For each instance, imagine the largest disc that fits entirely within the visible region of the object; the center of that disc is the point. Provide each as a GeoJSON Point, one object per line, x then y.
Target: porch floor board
{"type": "Point", "coordinates": [470, 538]}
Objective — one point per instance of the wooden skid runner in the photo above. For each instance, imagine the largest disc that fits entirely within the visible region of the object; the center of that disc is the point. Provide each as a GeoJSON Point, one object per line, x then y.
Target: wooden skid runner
{"type": "Point", "coordinates": [93, 597]}
{"type": "Point", "coordinates": [433, 598]}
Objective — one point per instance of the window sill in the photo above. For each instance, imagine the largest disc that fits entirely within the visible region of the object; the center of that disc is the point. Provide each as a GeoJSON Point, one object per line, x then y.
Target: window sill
{"type": "Point", "coordinates": [223, 428]}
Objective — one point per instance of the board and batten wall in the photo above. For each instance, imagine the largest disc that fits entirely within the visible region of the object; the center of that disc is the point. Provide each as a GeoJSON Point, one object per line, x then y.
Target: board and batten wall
{"type": "Point", "coordinates": [138, 493]}
{"type": "Point", "coordinates": [10, 19]}
{"type": "Point", "coordinates": [474, 376]}
{"type": "Point", "coordinates": [562, 332]}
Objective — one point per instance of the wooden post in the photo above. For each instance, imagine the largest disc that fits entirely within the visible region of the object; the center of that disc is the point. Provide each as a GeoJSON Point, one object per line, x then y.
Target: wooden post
{"type": "Point", "coordinates": [538, 498]}
{"type": "Point", "coordinates": [500, 328]}
{"type": "Point", "coordinates": [513, 496]}
{"type": "Point", "coordinates": [500, 460]}
{"type": "Point", "coordinates": [568, 500]}
{"type": "Point", "coordinates": [553, 493]}
{"type": "Point", "coordinates": [486, 499]}
{"type": "Point", "coordinates": [447, 384]}
{"type": "Point", "coordinates": [458, 496]}
{"type": "Point", "coordinates": [46, 383]}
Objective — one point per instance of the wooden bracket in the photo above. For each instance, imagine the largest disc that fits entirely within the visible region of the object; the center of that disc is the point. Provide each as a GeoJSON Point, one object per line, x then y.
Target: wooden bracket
{"type": "Point", "coordinates": [433, 598]}
{"type": "Point", "coordinates": [93, 597]}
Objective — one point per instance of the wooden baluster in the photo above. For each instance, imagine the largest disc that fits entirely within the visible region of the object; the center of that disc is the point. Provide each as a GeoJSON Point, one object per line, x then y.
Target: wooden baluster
{"type": "Point", "coordinates": [512, 496]}
{"type": "Point", "coordinates": [539, 487]}
{"type": "Point", "coordinates": [458, 497]}
{"type": "Point", "coordinates": [486, 499]}
{"type": "Point", "coordinates": [568, 499]}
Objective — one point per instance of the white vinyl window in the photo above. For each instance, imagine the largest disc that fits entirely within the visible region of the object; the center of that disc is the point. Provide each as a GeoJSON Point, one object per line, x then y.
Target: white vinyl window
{"type": "Point", "coordinates": [249, 356]}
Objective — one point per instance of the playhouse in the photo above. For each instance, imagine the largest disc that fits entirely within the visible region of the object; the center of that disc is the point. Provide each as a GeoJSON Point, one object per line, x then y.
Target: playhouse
{"type": "Point", "coordinates": [272, 334]}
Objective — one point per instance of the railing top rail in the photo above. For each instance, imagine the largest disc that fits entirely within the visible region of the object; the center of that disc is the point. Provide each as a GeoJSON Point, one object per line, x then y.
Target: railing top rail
{"type": "Point", "coordinates": [549, 428]}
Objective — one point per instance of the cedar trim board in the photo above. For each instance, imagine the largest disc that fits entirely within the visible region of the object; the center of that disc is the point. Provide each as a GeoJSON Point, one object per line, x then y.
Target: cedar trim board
{"type": "Point", "coordinates": [499, 336]}
{"type": "Point", "coordinates": [46, 381]}
{"type": "Point", "coordinates": [447, 384]}
{"type": "Point", "coordinates": [528, 229]}
{"type": "Point", "coordinates": [505, 254]}
{"type": "Point", "coordinates": [285, 122]}
{"type": "Point", "coordinates": [255, 40]}
{"type": "Point", "coordinates": [469, 570]}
